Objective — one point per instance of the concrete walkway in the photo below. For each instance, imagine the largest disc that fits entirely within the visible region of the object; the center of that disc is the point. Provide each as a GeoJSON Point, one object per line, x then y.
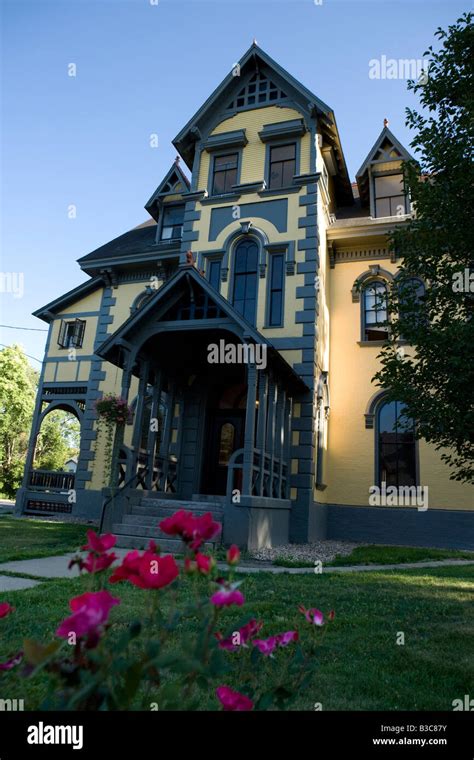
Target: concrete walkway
{"type": "Point", "coordinates": [57, 567]}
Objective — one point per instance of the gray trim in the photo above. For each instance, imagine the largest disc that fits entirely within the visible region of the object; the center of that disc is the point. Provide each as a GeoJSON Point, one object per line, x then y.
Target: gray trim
{"type": "Point", "coordinates": [274, 211]}
{"type": "Point", "coordinates": [223, 141]}
{"type": "Point", "coordinates": [282, 130]}
{"type": "Point", "coordinates": [401, 526]}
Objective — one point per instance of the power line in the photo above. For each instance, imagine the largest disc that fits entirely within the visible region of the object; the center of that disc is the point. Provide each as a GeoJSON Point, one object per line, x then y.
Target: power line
{"type": "Point", "coordinates": [33, 329]}
{"type": "Point", "coordinates": [28, 355]}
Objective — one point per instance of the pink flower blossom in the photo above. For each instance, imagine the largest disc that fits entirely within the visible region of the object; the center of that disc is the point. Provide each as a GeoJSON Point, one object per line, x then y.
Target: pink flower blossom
{"type": "Point", "coordinates": [313, 615]}
{"type": "Point", "coordinates": [233, 555]}
{"type": "Point", "coordinates": [99, 544]}
{"type": "Point", "coordinates": [233, 700]}
{"type": "Point", "coordinates": [225, 597]}
{"type": "Point", "coordinates": [201, 564]}
{"type": "Point", "coordinates": [97, 563]}
{"type": "Point", "coordinates": [5, 609]}
{"type": "Point", "coordinates": [283, 639]}
{"type": "Point", "coordinates": [12, 662]}
{"type": "Point", "coordinates": [247, 632]}
{"type": "Point", "coordinates": [149, 570]}
{"type": "Point", "coordinates": [90, 612]}
{"type": "Point", "coordinates": [193, 530]}
{"type": "Point", "coordinates": [268, 646]}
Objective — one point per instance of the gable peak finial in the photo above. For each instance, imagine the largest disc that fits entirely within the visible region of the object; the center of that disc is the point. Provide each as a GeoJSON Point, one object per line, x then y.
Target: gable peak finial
{"type": "Point", "coordinates": [254, 41]}
{"type": "Point", "coordinates": [176, 160]}
{"type": "Point", "coordinates": [385, 122]}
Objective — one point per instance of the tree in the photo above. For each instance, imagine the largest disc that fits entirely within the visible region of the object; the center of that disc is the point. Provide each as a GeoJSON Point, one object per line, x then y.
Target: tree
{"type": "Point", "coordinates": [58, 438]}
{"type": "Point", "coordinates": [435, 378]}
{"type": "Point", "coordinates": [17, 399]}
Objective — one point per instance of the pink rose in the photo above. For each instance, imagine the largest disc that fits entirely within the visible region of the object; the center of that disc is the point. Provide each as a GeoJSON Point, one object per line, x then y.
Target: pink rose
{"type": "Point", "coordinates": [225, 597]}
{"type": "Point", "coordinates": [313, 615]}
{"type": "Point", "coordinates": [5, 609]}
{"type": "Point", "coordinates": [233, 555]}
{"type": "Point", "coordinates": [99, 544]}
{"type": "Point", "coordinates": [12, 662]}
{"type": "Point", "coordinates": [233, 700]}
{"type": "Point", "coordinates": [90, 612]}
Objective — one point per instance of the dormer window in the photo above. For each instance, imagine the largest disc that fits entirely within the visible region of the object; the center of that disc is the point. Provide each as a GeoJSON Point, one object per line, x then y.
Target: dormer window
{"type": "Point", "coordinates": [172, 226]}
{"type": "Point", "coordinates": [390, 199]}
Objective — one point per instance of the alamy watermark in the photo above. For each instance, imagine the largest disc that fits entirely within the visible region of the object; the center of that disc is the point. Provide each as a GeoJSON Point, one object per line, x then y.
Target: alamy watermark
{"type": "Point", "coordinates": [399, 496]}
{"type": "Point", "coordinates": [399, 68]}
{"type": "Point", "coordinates": [240, 353]}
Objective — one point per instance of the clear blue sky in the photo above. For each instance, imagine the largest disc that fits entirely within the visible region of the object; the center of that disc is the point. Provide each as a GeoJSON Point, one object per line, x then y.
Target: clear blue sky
{"type": "Point", "coordinates": [142, 69]}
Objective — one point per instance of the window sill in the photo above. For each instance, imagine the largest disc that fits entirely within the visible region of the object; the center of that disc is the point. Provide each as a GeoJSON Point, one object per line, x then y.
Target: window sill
{"type": "Point", "coordinates": [280, 191]}
{"type": "Point", "coordinates": [375, 343]}
{"type": "Point", "coordinates": [225, 198]}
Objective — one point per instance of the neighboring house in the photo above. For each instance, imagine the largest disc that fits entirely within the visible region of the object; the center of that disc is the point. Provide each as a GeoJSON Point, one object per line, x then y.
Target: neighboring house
{"type": "Point", "coordinates": [71, 465]}
{"type": "Point", "coordinates": [288, 259]}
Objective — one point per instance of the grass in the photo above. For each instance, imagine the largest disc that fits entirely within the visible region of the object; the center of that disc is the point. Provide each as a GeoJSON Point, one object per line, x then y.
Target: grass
{"type": "Point", "coordinates": [23, 538]}
{"type": "Point", "coordinates": [382, 555]}
{"type": "Point", "coordinates": [360, 666]}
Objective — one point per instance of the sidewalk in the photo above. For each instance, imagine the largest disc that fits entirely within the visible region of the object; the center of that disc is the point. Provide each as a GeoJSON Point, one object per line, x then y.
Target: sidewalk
{"type": "Point", "coordinates": [57, 567]}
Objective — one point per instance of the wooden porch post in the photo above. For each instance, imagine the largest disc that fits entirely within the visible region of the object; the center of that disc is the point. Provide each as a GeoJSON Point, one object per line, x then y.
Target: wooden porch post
{"type": "Point", "coordinates": [249, 429]}
{"type": "Point", "coordinates": [287, 444]}
{"type": "Point", "coordinates": [280, 424]}
{"type": "Point", "coordinates": [271, 429]}
{"type": "Point", "coordinates": [262, 424]}
{"type": "Point", "coordinates": [166, 437]}
{"type": "Point", "coordinates": [137, 427]}
{"type": "Point", "coordinates": [152, 433]}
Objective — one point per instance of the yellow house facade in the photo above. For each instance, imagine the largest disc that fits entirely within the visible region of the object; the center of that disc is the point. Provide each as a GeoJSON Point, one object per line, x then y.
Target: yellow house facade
{"type": "Point", "coordinates": [242, 324]}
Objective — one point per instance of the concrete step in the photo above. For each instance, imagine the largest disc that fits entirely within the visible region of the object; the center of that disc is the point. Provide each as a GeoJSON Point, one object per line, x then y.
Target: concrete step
{"type": "Point", "coordinates": [147, 532]}
{"type": "Point", "coordinates": [146, 521]}
{"type": "Point", "coordinates": [209, 499]}
{"type": "Point", "coordinates": [148, 508]}
{"type": "Point", "coordinates": [168, 545]}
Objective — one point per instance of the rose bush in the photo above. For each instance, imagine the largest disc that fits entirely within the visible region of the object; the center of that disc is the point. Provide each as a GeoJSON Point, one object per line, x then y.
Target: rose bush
{"type": "Point", "coordinates": [182, 653]}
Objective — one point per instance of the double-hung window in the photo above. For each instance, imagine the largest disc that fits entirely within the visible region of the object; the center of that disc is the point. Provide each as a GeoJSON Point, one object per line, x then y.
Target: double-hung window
{"type": "Point", "coordinates": [225, 173]}
{"type": "Point", "coordinates": [282, 166]}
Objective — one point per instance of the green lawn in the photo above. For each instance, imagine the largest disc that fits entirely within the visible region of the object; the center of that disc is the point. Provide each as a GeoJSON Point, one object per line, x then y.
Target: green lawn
{"type": "Point", "coordinates": [360, 666]}
{"type": "Point", "coordinates": [28, 539]}
{"type": "Point", "coordinates": [383, 555]}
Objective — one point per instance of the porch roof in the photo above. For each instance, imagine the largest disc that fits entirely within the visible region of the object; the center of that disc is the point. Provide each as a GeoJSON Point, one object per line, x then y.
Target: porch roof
{"type": "Point", "coordinates": [165, 297]}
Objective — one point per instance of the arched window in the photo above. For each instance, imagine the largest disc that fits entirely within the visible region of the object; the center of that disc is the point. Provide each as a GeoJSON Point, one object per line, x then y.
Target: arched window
{"type": "Point", "coordinates": [396, 445]}
{"type": "Point", "coordinates": [374, 311]}
{"type": "Point", "coordinates": [246, 279]}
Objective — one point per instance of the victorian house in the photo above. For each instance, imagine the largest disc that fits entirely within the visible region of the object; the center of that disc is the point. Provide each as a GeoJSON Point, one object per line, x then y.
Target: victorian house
{"type": "Point", "coordinates": [259, 249]}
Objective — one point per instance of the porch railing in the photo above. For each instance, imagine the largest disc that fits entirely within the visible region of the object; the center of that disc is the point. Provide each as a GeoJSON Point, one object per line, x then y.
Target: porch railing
{"type": "Point", "coordinates": [269, 476]}
{"type": "Point", "coordinates": [163, 477]}
{"type": "Point", "coordinates": [48, 480]}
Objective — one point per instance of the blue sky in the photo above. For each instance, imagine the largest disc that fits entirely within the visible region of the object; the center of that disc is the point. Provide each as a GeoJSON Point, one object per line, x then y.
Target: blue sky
{"type": "Point", "coordinates": [143, 67]}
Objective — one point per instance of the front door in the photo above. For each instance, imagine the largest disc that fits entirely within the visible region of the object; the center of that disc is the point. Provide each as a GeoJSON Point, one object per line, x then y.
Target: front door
{"type": "Point", "coordinates": [225, 435]}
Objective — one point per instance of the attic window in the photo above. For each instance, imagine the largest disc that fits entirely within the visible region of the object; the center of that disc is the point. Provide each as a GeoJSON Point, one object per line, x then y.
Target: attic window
{"type": "Point", "coordinates": [258, 90]}
{"type": "Point", "coordinates": [71, 334]}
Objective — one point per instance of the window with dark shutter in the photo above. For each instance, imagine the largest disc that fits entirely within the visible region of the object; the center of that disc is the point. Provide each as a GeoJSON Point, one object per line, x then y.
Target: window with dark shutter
{"type": "Point", "coordinates": [71, 333]}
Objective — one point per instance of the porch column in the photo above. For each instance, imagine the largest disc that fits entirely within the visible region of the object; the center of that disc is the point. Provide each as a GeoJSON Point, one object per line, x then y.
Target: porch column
{"type": "Point", "coordinates": [137, 427]}
{"type": "Point", "coordinates": [280, 424]}
{"type": "Point", "coordinates": [262, 424]}
{"type": "Point", "coordinates": [153, 427]}
{"type": "Point", "coordinates": [166, 437]}
{"type": "Point", "coordinates": [287, 444]}
{"type": "Point", "coordinates": [249, 428]}
{"type": "Point", "coordinates": [120, 430]}
{"type": "Point", "coordinates": [271, 430]}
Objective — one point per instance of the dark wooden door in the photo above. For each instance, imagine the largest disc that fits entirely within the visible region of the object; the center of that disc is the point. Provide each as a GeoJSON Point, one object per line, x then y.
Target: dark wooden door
{"type": "Point", "coordinates": [225, 434]}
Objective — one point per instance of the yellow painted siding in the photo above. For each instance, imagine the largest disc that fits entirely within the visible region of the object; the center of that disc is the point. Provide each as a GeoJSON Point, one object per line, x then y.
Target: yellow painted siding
{"type": "Point", "coordinates": [350, 459]}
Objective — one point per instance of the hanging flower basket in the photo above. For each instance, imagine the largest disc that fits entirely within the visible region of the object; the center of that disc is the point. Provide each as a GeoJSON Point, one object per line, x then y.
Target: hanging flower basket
{"type": "Point", "coordinates": [113, 410]}
{"type": "Point", "coordinates": [113, 413]}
